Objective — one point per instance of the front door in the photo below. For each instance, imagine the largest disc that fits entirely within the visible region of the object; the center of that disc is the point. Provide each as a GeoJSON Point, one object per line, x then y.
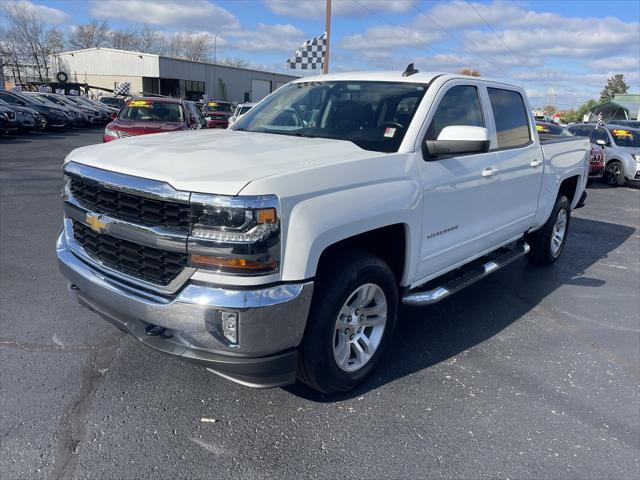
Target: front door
{"type": "Point", "coordinates": [458, 190]}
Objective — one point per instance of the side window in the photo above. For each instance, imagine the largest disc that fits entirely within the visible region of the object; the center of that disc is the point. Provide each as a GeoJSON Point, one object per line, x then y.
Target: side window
{"type": "Point", "coordinates": [459, 106]}
{"type": "Point", "coordinates": [511, 118]}
{"type": "Point", "coordinates": [599, 134]}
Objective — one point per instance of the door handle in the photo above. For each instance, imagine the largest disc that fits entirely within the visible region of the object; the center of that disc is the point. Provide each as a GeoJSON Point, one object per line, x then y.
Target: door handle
{"type": "Point", "coordinates": [536, 163]}
{"type": "Point", "coordinates": [488, 172]}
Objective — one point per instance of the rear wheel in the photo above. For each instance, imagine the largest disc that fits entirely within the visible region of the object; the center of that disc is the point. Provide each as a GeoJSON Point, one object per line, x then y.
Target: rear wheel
{"type": "Point", "coordinates": [352, 317]}
{"type": "Point", "coordinates": [614, 174]}
{"type": "Point", "coordinates": [547, 244]}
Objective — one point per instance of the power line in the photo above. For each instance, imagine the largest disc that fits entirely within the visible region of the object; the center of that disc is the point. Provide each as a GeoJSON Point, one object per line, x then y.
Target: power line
{"type": "Point", "coordinates": [456, 60]}
{"type": "Point", "coordinates": [416, 7]}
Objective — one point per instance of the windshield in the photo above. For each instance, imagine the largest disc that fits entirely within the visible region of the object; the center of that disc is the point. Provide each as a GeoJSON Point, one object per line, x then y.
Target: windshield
{"type": "Point", "coordinates": [373, 115]}
{"type": "Point", "coordinates": [217, 107]}
{"type": "Point", "coordinates": [42, 100]}
{"type": "Point", "coordinates": [624, 137]}
{"type": "Point", "coordinates": [242, 110]}
{"type": "Point", "coordinates": [112, 101]}
{"type": "Point", "coordinates": [150, 111]}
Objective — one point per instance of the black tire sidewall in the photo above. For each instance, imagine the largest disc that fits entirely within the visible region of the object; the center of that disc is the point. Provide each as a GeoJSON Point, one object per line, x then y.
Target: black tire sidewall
{"type": "Point", "coordinates": [612, 179]}
{"type": "Point", "coordinates": [333, 291]}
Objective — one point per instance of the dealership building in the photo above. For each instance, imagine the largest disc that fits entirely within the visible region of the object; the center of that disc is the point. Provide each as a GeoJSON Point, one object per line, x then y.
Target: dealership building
{"type": "Point", "coordinates": [148, 73]}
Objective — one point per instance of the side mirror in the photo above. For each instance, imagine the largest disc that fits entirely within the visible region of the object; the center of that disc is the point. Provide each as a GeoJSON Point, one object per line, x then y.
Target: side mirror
{"type": "Point", "coordinates": [601, 142]}
{"type": "Point", "coordinates": [114, 115]}
{"type": "Point", "coordinates": [458, 139]}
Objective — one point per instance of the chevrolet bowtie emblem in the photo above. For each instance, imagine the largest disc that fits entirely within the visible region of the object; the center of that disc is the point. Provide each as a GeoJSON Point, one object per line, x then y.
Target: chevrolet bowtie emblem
{"type": "Point", "coordinates": [95, 223]}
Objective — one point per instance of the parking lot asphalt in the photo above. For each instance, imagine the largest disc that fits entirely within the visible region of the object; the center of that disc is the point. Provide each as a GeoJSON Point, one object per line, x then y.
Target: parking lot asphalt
{"type": "Point", "coordinates": [532, 373]}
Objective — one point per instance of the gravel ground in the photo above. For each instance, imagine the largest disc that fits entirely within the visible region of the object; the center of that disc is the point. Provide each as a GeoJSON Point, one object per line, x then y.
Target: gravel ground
{"type": "Point", "coordinates": [532, 373]}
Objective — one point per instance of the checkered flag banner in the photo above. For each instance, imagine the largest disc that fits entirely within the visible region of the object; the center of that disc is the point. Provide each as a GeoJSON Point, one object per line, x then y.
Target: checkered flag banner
{"type": "Point", "coordinates": [310, 55]}
{"type": "Point", "coordinates": [17, 89]}
{"type": "Point", "coordinates": [44, 89]}
{"type": "Point", "coordinates": [123, 89]}
{"type": "Point", "coordinates": [60, 91]}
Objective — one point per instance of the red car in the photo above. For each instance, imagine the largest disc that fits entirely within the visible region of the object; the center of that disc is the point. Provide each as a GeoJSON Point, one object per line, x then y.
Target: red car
{"type": "Point", "coordinates": [217, 113]}
{"type": "Point", "coordinates": [596, 162]}
{"type": "Point", "coordinates": [144, 115]}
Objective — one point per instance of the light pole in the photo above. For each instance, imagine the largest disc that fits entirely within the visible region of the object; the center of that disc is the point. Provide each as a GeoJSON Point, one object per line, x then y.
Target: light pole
{"type": "Point", "coordinates": [215, 45]}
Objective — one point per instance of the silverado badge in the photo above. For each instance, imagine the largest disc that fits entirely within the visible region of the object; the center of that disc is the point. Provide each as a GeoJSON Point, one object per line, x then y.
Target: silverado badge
{"type": "Point", "coordinates": [95, 223]}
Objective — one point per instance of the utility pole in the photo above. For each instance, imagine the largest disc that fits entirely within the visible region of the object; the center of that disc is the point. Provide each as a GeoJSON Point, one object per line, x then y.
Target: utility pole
{"type": "Point", "coordinates": [327, 28]}
{"type": "Point", "coordinates": [215, 45]}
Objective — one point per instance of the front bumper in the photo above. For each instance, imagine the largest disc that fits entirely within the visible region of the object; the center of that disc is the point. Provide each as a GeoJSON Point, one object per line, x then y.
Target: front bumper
{"type": "Point", "coordinates": [270, 326]}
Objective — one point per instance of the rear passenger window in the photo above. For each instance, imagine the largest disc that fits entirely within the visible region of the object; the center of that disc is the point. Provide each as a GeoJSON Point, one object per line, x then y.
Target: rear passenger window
{"type": "Point", "coordinates": [459, 106]}
{"type": "Point", "coordinates": [512, 120]}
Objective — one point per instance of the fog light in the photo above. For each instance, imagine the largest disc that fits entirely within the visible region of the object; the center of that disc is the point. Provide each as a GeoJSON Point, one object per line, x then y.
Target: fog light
{"type": "Point", "coordinates": [230, 326]}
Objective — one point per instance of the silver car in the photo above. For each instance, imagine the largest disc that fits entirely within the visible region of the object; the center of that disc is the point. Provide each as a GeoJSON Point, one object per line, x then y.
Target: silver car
{"type": "Point", "coordinates": [621, 146]}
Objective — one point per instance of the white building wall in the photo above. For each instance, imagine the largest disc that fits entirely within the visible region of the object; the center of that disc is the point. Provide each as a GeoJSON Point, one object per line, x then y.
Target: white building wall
{"type": "Point", "coordinates": [105, 61]}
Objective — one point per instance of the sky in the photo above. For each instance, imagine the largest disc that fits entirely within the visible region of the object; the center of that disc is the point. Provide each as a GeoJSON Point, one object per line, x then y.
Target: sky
{"type": "Point", "coordinates": [560, 51]}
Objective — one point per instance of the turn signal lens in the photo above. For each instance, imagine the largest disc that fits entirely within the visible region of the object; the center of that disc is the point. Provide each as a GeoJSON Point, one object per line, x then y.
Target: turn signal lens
{"type": "Point", "coordinates": [231, 264]}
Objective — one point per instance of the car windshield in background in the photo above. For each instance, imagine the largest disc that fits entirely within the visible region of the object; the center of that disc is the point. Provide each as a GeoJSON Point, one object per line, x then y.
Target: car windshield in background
{"type": "Point", "coordinates": [243, 110]}
{"type": "Point", "coordinates": [42, 100]}
{"type": "Point", "coordinates": [150, 111]}
{"type": "Point", "coordinates": [550, 129]}
{"type": "Point", "coordinates": [373, 115]}
{"type": "Point", "coordinates": [112, 101]}
{"type": "Point", "coordinates": [625, 137]}
{"type": "Point", "coordinates": [217, 107]}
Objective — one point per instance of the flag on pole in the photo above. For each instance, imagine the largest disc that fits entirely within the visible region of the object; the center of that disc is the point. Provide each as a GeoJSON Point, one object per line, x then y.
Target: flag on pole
{"type": "Point", "coordinates": [44, 89]}
{"type": "Point", "coordinates": [310, 55]}
{"type": "Point", "coordinates": [123, 89]}
{"type": "Point", "coordinates": [60, 91]}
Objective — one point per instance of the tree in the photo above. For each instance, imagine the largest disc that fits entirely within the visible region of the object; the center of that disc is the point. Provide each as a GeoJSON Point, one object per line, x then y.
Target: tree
{"type": "Point", "coordinates": [549, 109]}
{"type": "Point", "coordinates": [470, 72]}
{"type": "Point", "coordinates": [190, 46]}
{"type": "Point", "coordinates": [233, 62]}
{"type": "Point", "coordinates": [579, 113]}
{"type": "Point", "coordinates": [615, 85]}
{"type": "Point", "coordinates": [122, 39]}
{"type": "Point", "coordinates": [92, 34]}
{"type": "Point", "coordinates": [29, 40]}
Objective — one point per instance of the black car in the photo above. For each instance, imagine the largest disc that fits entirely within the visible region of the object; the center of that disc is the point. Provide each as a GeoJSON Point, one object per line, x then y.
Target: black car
{"type": "Point", "coordinates": [52, 116]}
{"type": "Point", "coordinates": [9, 120]}
{"type": "Point", "coordinates": [28, 119]}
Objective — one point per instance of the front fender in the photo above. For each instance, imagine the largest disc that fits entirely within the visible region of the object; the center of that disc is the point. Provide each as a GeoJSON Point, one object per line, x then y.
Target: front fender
{"type": "Point", "coordinates": [321, 221]}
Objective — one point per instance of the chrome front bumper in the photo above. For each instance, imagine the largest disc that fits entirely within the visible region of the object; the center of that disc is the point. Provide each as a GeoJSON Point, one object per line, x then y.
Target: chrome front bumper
{"type": "Point", "coordinates": [270, 326]}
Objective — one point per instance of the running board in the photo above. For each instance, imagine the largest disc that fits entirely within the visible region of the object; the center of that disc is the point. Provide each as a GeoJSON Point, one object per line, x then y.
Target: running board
{"type": "Point", "coordinates": [493, 262]}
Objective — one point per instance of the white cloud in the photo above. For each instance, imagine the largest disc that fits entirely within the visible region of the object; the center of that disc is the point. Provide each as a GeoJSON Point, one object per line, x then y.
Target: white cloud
{"type": "Point", "coordinates": [192, 14]}
{"type": "Point", "coordinates": [339, 8]}
{"type": "Point", "coordinates": [385, 37]}
{"type": "Point", "coordinates": [272, 38]}
{"type": "Point", "coordinates": [48, 14]}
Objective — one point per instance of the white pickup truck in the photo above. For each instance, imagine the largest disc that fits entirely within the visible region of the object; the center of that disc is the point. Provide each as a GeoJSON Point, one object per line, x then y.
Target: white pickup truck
{"type": "Point", "coordinates": [282, 248]}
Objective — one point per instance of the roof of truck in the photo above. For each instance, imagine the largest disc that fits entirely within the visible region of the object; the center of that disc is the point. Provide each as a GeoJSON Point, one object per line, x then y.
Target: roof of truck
{"type": "Point", "coordinates": [390, 76]}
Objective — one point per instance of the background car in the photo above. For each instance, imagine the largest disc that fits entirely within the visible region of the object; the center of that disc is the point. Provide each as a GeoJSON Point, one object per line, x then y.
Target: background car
{"type": "Point", "coordinates": [9, 121]}
{"type": "Point", "coordinates": [51, 115]}
{"type": "Point", "coordinates": [217, 113]}
{"type": "Point", "coordinates": [76, 117]}
{"type": "Point", "coordinates": [28, 119]}
{"type": "Point", "coordinates": [195, 115]}
{"type": "Point", "coordinates": [90, 115]}
{"type": "Point", "coordinates": [549, 128]}
{"type": "Point", "coordinates": [144, 115]}
{"type": "Point", "coordinates": [240, 110]}
{"type": "Point", "coordinates": [621, 147]}
{"type": "Point", "coordinates": [113, 102]}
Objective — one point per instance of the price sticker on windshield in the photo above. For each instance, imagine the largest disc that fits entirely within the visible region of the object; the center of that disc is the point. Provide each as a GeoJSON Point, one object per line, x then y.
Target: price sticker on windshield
{"type": "Point", "coordinates": [622, 133]}
{"type": "Point", "coordinates": [542, 128]}
{"type": "Point", "coordinates": [389, 132]}
{"type": "Point", "coordinates": [212, 104]}
{"type": "Point", "coordinates": [139, 103]}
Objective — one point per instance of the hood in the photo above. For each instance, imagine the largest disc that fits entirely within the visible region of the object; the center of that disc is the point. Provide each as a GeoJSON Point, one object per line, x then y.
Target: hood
{"type": "Point", "coordinates": [142, 127]}
{"type": "Point", "coordinates": [215, 161]}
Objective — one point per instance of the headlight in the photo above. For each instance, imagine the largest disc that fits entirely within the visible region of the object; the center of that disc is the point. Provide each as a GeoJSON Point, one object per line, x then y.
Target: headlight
{"type": "Point", "coordinates": [238, 235]}
{"type": "Point", "coordinates": [636, 157]}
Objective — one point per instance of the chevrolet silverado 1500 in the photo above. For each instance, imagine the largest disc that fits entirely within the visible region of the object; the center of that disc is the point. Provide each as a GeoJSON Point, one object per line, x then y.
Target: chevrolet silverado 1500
{"type": "Point", "coordinates": [282, 248]}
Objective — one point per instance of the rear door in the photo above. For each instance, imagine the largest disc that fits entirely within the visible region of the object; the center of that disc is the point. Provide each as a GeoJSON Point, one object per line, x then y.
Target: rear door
{"type": "Point", "coordinates": [519, 162]}
{"type": "Point", "coordinates": [458, 195]}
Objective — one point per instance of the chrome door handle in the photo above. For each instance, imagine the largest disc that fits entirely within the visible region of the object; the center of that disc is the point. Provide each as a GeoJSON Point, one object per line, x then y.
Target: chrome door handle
{"type": "Point", "coordinates": [536, 163]}
{"type": "Point", "coordinates": [488, 172]}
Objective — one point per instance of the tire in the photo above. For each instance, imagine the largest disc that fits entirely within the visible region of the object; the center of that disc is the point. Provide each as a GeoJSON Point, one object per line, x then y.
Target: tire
{"type": "Point", "coordinates": [338, 288]}
{"type": "Point", "coordinates": [545, 249]}
{"type": "Point", "coordinates": [614, 174]}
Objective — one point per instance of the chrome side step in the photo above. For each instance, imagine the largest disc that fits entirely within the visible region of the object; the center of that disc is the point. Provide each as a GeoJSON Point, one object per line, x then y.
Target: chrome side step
{"type": "Point", "coordinates": [492, 262]}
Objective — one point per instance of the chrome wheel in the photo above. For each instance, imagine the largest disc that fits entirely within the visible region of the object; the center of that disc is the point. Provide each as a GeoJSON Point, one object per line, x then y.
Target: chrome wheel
{"type": "Point", "coordinates": [558, 232]}
{"type": "Point", "coordinates": [359, 327]}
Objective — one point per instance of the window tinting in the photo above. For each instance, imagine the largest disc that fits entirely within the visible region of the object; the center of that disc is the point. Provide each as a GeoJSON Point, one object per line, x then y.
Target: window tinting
{"type": "Point", "coordinates": [599, 134]}
{"type": "Point", "coordinates": [459, 106]}
{"type": "Point", "coordinates": [511, 118]}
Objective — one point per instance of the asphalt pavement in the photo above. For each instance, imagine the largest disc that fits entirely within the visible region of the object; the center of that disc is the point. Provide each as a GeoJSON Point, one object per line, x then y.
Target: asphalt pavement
{"type": "Point", "coordinates": [532, 373]}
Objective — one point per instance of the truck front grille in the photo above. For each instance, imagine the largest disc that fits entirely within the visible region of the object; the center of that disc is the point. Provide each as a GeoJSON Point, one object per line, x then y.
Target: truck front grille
{"type": "Point", "coordinates": [131, 208]}
{"type": "Point", "coordinates": [139, 261]}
